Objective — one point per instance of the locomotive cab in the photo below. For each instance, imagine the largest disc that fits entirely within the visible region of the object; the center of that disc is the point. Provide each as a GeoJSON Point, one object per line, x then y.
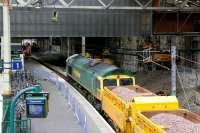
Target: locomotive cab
{"type": "Point", "coordinates": [113, 81]}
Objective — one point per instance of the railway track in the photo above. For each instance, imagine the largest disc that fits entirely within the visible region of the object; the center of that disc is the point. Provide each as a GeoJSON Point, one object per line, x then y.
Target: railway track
{"type": "Point", "coordinates": [49, 67]}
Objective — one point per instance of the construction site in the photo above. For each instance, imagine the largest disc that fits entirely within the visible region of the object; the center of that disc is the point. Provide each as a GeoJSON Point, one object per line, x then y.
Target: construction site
{"type": "Point", "coordinates": [100, 66]}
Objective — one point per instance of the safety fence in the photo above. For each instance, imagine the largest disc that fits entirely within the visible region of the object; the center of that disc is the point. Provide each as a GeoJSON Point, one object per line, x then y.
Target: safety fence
{"type": "Point", "coordinates": [190, 77]}
{"type": "Point", "coordinates": [63, 87]}
{"type": "Point", "coordinates": [21, 126]}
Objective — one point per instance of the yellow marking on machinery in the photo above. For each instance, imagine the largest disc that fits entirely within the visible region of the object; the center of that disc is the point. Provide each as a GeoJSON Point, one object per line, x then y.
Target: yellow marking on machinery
{"type": "Point", "coordinates": [99, 91]}
{"type": "Point", "coordinates": [148, 45]}
{"type": "Point", "coordinates": [133, 81]}
{"type": "Point", "coordinates": [155, 103]}
{"type": "Point", "coordinates": [98, 96]}
{"type": "Point", "coordinates": [117, 76]}
{"type": "Point", "coordinates": [108, 61]}
{"type": "Point", "coordinates": [161, 57]}
{"type": "Point", "coordinates": [76, 73]}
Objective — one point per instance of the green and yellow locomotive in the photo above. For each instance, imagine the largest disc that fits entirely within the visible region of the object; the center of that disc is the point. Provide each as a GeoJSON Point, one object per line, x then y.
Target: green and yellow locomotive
{"type": "Point", "coordinates": [94, 75]}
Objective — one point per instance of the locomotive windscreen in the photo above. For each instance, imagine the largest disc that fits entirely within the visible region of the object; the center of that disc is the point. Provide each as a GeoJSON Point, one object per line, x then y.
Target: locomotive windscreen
{"type": "Point", "coordinates": [126, 81]}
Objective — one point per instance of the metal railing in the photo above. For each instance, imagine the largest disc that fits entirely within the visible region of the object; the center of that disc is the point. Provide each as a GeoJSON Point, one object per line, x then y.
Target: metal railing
{"type": "Point", "coordinates": [21, 126]}
{"type": "Point", "coordinates": [19, 80]}
{"type": "Point", "coordinates": [6, 106]}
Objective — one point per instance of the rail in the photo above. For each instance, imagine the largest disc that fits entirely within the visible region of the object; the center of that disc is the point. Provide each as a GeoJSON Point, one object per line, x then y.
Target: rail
{"type": "Point", "coordinates": [6, 103]}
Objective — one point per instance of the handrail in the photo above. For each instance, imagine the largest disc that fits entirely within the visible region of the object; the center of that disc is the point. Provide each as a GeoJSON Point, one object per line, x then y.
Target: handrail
{"type": "Point", "coordinates": [6, 107]}
{"type": "Point", "coordinates": [36, 88]}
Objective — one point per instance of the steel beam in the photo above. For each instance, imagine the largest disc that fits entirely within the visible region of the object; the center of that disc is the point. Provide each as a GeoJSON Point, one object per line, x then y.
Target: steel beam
{"type": "Point", "coordinates": [68, 48]}
{"type": "Point", "coordinates": [139, 3]}
{"type": "Point", "coordinates": [83, 46]}
{"type": "Point", "coordinates": [102, 3]}
{"type": "Point", "coordinates": [173, 70]}
{"type": "Point", "coordinates": [109, 6]}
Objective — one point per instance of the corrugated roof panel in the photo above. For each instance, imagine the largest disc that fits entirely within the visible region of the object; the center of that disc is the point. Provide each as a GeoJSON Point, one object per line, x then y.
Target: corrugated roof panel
{"type": "Point", "coordinates": [30, 22]}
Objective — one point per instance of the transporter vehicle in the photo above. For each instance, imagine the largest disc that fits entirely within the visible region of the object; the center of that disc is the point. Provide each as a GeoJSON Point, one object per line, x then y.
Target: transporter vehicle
{"type": "Point", "coordinates": [129, 107]}
{"type": "Point", "coordinates": [94, 75]}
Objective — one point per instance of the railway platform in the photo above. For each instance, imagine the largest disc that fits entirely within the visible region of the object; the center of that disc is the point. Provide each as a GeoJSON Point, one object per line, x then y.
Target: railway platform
{"type": "Point", "coordinates": [69, 111]}
{"type": "Point", "coordinates": [60, 117]}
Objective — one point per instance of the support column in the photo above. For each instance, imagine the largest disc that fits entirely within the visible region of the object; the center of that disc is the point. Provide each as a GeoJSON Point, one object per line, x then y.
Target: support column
{"type": "Point", "coordinates": [7, 47]}
{"type": "Point", "coordinates": [2, 47]}
{"type": "Point", "coordinates": [83, 46]}
{"type": "Point", "coordinates": [50, 43]}
{"type": "Point", "coordinates": [5, 90]}
{"type": "Point", "coordinates": [197, 39]}
{"type": "Point", "coordinates": [173, 70]}
{"type": "Point", "coordinates": [22, 58]}
{"type": "Point", "coordinates": [61, 46]}
{"type": "Point", "coordinates": [46, 42]}
{"type": "Point", "coordinates": [43, 42]}
{"type": "Point", "coordinates": [68, 48]}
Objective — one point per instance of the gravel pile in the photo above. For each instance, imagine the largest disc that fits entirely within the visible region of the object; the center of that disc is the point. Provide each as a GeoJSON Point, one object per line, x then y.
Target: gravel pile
{"type": "Point", "coordinates": [125, 93]}
{"type": "Point", "coordinates": [175, 124]}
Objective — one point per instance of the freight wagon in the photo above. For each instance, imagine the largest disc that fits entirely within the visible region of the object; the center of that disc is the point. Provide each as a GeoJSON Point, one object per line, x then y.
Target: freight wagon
{"type": "Point", "coordinates": [147, 113]}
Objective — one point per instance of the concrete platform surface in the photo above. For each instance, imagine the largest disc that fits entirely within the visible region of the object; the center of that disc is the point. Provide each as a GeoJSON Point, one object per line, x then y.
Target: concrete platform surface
{"type": "Point", "coordinates": [61, 118]}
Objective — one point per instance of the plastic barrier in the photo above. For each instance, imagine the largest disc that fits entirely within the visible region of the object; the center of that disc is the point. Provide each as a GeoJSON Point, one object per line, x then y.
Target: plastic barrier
{"type": "Point", "coordinates": [62, 87]}
{"type": "Point", "coordinates": [1, 110]}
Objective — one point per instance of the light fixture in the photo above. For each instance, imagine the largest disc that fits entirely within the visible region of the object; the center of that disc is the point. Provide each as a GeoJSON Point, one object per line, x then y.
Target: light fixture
{"type": "Point", "coordinates": [37, 6]}
{"type": "Point", "coordinates": [55, 16]}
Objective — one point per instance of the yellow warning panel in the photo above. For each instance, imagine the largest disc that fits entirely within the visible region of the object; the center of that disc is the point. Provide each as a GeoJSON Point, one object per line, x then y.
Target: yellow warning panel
{"type": "Point", "coordinates": [155, 103]}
